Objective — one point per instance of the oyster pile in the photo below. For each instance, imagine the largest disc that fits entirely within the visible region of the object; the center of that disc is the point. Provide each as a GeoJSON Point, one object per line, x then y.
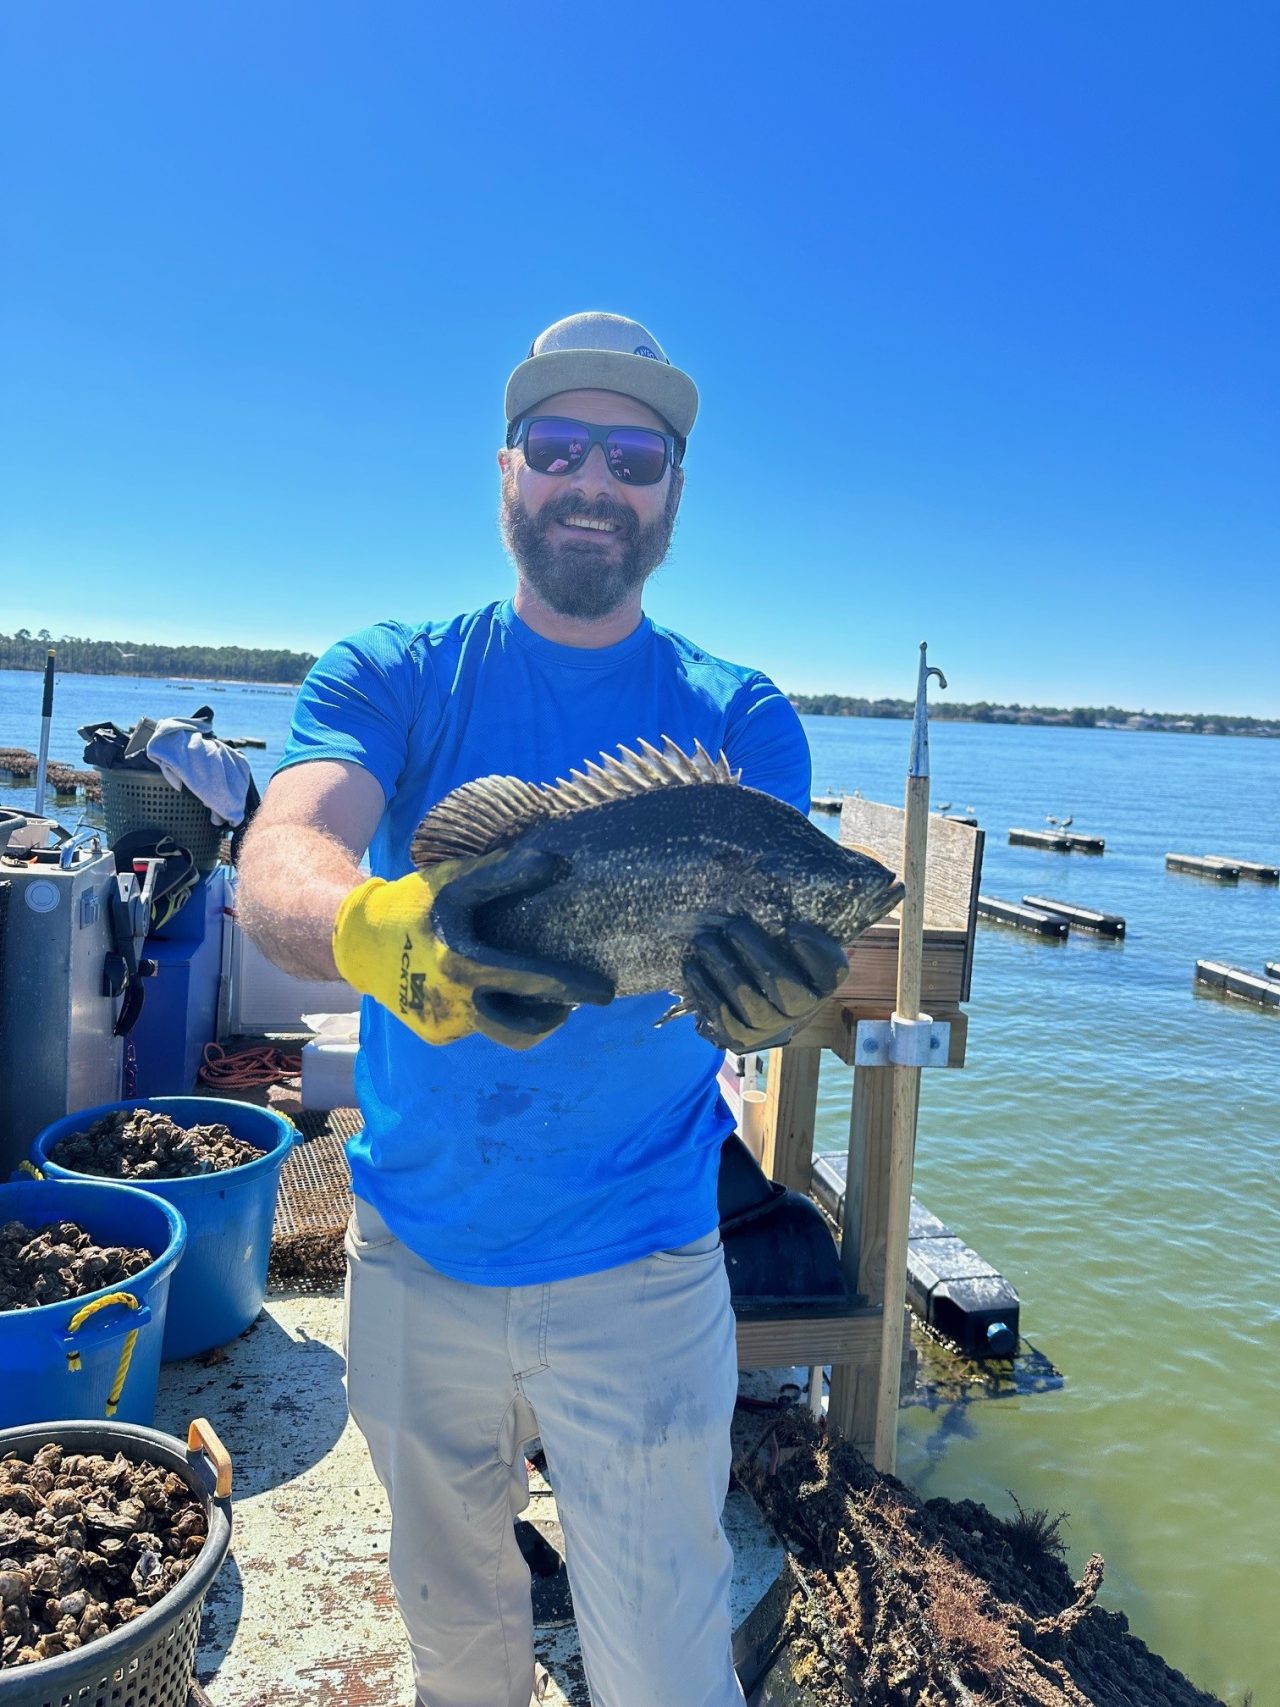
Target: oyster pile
{"type": "Point", "coordinates": [146, 1144]}
{"type": "Point", "coordinates": [87, 1544]}
{"type": "Point", "coordinates": [45, 1265]}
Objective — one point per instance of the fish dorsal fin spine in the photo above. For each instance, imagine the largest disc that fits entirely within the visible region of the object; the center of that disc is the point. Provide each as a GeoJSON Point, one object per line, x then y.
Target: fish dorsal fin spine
{"type": "Point", "coordinates": [493, 811]}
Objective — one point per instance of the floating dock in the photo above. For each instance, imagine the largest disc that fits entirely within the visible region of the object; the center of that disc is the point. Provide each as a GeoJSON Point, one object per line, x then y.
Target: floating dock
{"type": "Point", "coordinates": [1251, 868]}
{"type": "Point", "coordinates": [961, 818]}
{"type": "Point", "coordinates": [1049, 839]}
{"type": "Point", "coordinates": [826, 803]}
{"type": "Point", "coordinates": [1272, 968]}
{"type": "Point", "coordinates": [1202, 865]}
{"type": "Point", "coordinates": [949, 1286]}
{"type": "Point", "coordinates": [1024, 918]}
{"type": "Point", "coordinates": [1058, 841]}
{"type": "Point", "coordinates": [1238, 981]}
{"type": "Point", "coordinates": [1084, 918]}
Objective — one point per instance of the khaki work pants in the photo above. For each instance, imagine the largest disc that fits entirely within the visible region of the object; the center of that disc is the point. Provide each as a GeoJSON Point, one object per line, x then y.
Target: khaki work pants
{"type": "Point", "coordinates": [628, 1377]}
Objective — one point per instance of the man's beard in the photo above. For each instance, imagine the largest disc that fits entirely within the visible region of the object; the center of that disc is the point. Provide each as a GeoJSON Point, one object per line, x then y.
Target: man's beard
{"type": "Point", "coordinates": [587, 580]}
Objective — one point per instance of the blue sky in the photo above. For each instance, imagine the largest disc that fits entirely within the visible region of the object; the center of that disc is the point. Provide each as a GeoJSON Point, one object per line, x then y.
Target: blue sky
{"type": "Point", "coordinates": [981, 299]}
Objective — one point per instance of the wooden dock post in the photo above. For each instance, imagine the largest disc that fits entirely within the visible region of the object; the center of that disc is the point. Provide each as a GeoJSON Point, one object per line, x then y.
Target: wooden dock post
{"type": "Point", "coordinates": [790, 1112]}
{"type": "Point", "coordinates": [855, 1388]}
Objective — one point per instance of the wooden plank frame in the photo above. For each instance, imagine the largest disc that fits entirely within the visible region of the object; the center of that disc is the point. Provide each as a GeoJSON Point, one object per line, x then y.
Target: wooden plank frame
{"type": "Point", "coordinates": [953, 874]}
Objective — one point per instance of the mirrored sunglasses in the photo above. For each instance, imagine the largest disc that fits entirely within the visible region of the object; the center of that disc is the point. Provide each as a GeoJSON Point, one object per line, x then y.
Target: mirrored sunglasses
{"type": "Point", "coordinates": [638, 456]}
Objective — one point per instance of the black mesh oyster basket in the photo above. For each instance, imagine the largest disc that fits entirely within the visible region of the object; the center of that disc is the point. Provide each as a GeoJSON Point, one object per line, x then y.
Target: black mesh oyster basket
{"type": "Point", "coordinates": [148, 1662]}
{"type": "Point", "coordinates": [135, 800]}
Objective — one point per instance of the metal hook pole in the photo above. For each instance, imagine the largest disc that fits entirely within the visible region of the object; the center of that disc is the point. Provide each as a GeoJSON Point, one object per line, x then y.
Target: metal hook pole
{"type": "Point", "coordinates": [906, 1080]}
{"type": "Point", "coordinates": [919, 765]}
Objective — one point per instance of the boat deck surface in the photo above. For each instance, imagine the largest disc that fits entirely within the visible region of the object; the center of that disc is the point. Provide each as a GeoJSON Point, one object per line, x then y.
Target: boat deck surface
{"type": "Point", "coordinates": [302, 1614]}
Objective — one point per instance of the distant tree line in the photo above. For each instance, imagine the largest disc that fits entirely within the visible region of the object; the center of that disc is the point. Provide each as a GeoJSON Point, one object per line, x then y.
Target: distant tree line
{"type": "Point", "coordinates": [27, 651]}
{"type": "Point", "coordinates": [1077, 716]}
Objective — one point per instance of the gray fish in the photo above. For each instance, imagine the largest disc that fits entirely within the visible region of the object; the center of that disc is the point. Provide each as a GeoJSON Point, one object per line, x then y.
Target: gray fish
{"type": "Point", "coordinates": [655, 846]}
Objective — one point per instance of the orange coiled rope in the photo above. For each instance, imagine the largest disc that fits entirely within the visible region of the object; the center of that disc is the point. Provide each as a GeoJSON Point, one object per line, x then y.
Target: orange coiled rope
{"type": "Point", "coordinates": [261, 1066]}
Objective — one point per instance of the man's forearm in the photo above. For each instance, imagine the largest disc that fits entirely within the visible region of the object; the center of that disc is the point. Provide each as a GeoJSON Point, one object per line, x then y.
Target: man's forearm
{"type": "Point", "coordinates": [291, 884]}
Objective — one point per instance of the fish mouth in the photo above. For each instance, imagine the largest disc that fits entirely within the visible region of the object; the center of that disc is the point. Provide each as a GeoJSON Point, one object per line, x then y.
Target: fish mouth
{"type": "Point", "coordinates": [889, 897]}
{"type": "Point", "coordinates": [878, 903]}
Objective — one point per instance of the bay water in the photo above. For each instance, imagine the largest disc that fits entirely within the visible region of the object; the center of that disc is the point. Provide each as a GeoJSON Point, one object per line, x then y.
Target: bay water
{"type": "Point", "coordinates": [1112, 1145]}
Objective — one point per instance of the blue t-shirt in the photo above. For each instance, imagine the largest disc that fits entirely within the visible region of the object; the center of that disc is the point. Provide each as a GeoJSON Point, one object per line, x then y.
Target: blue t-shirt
{"type": "Point", "coordinates": [601, 1143]}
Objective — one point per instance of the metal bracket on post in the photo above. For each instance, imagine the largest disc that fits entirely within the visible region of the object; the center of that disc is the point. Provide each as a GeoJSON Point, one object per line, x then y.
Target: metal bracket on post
{"type": "Point", "coordinates": [899, 1042]}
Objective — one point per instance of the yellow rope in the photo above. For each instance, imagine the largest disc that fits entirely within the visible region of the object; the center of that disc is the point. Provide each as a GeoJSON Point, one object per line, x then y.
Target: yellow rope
{"type": "Point", "coordinates": [130, 1340]}
{"type": "Point", "coordinates": [113, 1397]}
{"type": "Point", "coordinates": [28, 1168]}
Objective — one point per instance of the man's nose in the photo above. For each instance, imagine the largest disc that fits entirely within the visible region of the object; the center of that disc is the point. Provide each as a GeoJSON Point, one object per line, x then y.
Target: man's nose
{"type": "Point", "coordinates": [593, 473]}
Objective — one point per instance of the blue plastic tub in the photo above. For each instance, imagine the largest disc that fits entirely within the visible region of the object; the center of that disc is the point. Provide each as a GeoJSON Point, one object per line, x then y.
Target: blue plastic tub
{"type": "Point", "coordinates": [41, 1349]}
{"type": "Point", "coordinates": [222, 1279]}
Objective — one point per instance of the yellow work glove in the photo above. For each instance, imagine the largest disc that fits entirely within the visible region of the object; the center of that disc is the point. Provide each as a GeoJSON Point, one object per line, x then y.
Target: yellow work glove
{"type": "Point", "coordinates": [412, 945]}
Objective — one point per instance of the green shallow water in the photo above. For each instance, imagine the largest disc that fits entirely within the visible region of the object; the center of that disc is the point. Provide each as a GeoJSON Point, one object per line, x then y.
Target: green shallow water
{"type": "Point", "coordinates": [1111, 1145]}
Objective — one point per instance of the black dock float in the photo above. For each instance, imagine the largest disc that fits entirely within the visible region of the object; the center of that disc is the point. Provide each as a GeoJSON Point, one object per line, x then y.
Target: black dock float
{"type": "Point", "coordinates": [1087, 844]}
{"type": "Point", "coordinates": [1238, 981]}
{"type": "Point", "coordinates": [826, 803]}
{"type": "Point", "coordinates": [1085, 918]}
{"type": "Point", "coordinates": [961, 818]}
{"type": "Point", "coordinates": [1040, 839]}
{"type": "Point", "coordinates": [1272, 969]}
{"type": "Point", "coordinates": [965, 1299]}
{"type": "Point", "coordinates": [1199, 865]}
{"type": "Point", "coordinates": [1251, 868]}
{"type": "Point", "coordinates": [948, 1285]}
{"type": "Point", "coordinates": [1025, 918]}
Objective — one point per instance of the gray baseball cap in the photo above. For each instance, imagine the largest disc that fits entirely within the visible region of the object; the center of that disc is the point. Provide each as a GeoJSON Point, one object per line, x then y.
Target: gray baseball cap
{"type": "Point", "coordinates": [603, 352]}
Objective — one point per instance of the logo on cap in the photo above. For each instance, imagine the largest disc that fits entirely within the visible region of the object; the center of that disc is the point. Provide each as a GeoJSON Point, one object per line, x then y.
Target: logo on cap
{"type": "Point", "coordinates": [644, 350]}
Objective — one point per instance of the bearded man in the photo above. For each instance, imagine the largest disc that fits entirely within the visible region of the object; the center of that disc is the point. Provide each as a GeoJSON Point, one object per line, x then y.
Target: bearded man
{"type": "Point", "coordinates": [534, 1249]}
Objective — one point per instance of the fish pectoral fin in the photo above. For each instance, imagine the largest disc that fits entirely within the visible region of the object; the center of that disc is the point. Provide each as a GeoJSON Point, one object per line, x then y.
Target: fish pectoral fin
{"type": "Point", "coordinates": [681, 1008]}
